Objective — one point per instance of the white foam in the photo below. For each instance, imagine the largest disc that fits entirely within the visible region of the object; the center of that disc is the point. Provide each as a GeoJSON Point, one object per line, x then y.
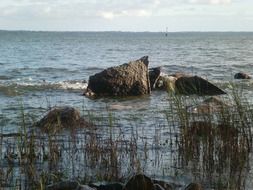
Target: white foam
{"type": "Point", "coordinates": [68, 85]}
{"type": "Point", "coordinates": [73, 85]}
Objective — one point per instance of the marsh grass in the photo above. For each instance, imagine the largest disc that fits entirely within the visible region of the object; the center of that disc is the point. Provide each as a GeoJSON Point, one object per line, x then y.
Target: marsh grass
{"type": "Point", "coordinates": [214, 146]}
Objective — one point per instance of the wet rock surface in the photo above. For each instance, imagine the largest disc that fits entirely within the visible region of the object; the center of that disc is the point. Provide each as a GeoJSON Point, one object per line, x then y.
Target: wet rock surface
{"type": "Point", "coordinates": [194, 186]}
{"type": "Point", "coordinates": [62, 118]}
{"type": "Point", "coordinates": [64, 185]}
{"type": "Point", "coordinates": [130, 79]}
{"type": "Point", "coordinates": [134, 79]}
{"type": "Point", "coordinates": [241, 75]}
{"type": "Point", "coordinates": [136, 182]}
{"type": "Point", "coordinates": [85, 187]}
{"type": "Point", "coordinates": [188, 85]}
{"type": "Point", "coordinates": [163, 184]}
{"type": "Point", "coordinates": [111, 186]}
{"type": "Point", "coordinates": [158, 187]}
{"type": "Point", "coordinates": [139, 182]}
{"type": "Point", "coordinates": [210, 105]}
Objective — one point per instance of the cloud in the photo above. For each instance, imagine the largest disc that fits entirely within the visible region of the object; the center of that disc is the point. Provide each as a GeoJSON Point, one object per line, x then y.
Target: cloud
{"type": "Point", "coordinates": [212, 2]}
{"type": "Point", "coordinates": [107, 15]}
{"type": "Point", "coordinates": [124, 13]}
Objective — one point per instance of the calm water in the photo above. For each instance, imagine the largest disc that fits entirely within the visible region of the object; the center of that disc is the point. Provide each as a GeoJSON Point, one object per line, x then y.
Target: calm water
{"type": "Point", "coordinates": [43, 69]}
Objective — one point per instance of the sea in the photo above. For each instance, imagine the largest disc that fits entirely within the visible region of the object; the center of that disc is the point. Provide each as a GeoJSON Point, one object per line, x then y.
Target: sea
{"type": "Point", "coordinates": [44, 69]}
{"type": "Point", "coordinates": [40, 70]}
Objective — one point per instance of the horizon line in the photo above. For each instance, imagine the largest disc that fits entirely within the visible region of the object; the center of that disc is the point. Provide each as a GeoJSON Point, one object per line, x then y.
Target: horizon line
{"type": "Point", "coordinates": [126, 31]}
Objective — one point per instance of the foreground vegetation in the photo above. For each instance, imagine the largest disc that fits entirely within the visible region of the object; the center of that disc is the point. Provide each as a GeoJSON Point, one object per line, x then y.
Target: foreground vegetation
{"type": "Point", "coordinates": [210, 140]}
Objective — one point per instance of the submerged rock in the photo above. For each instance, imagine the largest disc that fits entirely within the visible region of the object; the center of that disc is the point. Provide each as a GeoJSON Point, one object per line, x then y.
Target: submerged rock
{"type": "Point", "coordinates": [68, 185]}
{"type": "Point", "coordinates": [242, 76]}
{"type": "Point", "coordinates": [163, 184]}
{"type": "Point", "coordinates": [64, 185]}
{"type": "Point", "coordinates": [158, 187]}
{"type": "Point", "coordinates": [199, 129]}
{"type": "Point", "coordinates": [62, 117]}
{"type": "Point", "coordinates": [111, 186]}
{"type": "Point", "coordinates": [85, 187]}
{"type": "Point", "coordinates": [210, 105]}
{"type": "Point", "coordinates": [194, 186]}
{"type": "Point", "coordinates": [130, 79]}
{"type": "Point", "coordinates": [227, 132]}
{"type": "Point", "coordinates": [139, 182]}
{"type": "Point", "coordinates": [188, 85]}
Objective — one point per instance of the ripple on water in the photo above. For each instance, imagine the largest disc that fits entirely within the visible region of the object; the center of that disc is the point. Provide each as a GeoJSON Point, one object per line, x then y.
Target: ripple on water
{"type": "Point", "coordinates": [5, 77]}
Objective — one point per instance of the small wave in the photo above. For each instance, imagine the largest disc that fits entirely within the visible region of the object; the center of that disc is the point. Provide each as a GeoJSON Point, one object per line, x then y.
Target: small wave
{"type": "Point", "coordinates": [94, 68]}
{"type": "Point", "coordinates": [53, 69]}
{"type": "Point", "coordinates": [73, 85]}
{"type": "Point", "coordinates": [14, 88]}
{"type": "Point", "coordinates": [3, 77]}
{"type": "Point", "coordinates": [67, 85]}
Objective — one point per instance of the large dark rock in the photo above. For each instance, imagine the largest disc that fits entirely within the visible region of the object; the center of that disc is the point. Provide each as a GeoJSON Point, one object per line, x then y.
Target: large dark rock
{"type": "Point", "coordinates": [242, 76]}
{"type": "Point", "coordinates": [188, 85]}
{"type": "Point", "coordinates": [139, 182]}
{"type": "Point", "coordinates": [62, 117]}
{"type": "Point", "coordinates": [130, 79]}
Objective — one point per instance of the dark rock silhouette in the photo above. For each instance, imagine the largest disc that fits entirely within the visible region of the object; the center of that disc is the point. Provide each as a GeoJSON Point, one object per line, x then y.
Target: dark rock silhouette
{"type": "Point", "coordinates": [134, 79]}
{"type": "Point", "coordinates": [130, 79]}
{"type": "Point", "coordinates": [241, 75]}
{"type": "Point", "coordinates": [64, 185]}
{"type": "Point", "coordinates": [112, 186]}
{"type": "Point", "coordinates": [163, 184]}
{"type": "Point", "coordinates": [158, 187]}
{"type": "Point", "coordinates": [139, 182]}
{"type": "Point", "coordinates": [194, 186]}
{"type": "Point", "coordinates": [84, 187]}
{"type": "Point", "coordinates": [196, 85]}
{"type": "Point", "coordinates": [62, 117]}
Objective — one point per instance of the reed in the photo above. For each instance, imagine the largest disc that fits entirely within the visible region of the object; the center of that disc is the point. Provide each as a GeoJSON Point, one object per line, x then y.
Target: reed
{"type": "Point", "coordinates": [215, 146]}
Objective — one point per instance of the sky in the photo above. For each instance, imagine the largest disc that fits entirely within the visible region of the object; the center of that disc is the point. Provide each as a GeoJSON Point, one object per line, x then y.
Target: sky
{"type": "Point", "coordinates": [127, 15]}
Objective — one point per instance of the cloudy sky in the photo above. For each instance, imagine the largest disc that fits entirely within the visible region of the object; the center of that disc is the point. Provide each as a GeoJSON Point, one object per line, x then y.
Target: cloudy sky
{"type": "Point", "coordinates": [127, 15]}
